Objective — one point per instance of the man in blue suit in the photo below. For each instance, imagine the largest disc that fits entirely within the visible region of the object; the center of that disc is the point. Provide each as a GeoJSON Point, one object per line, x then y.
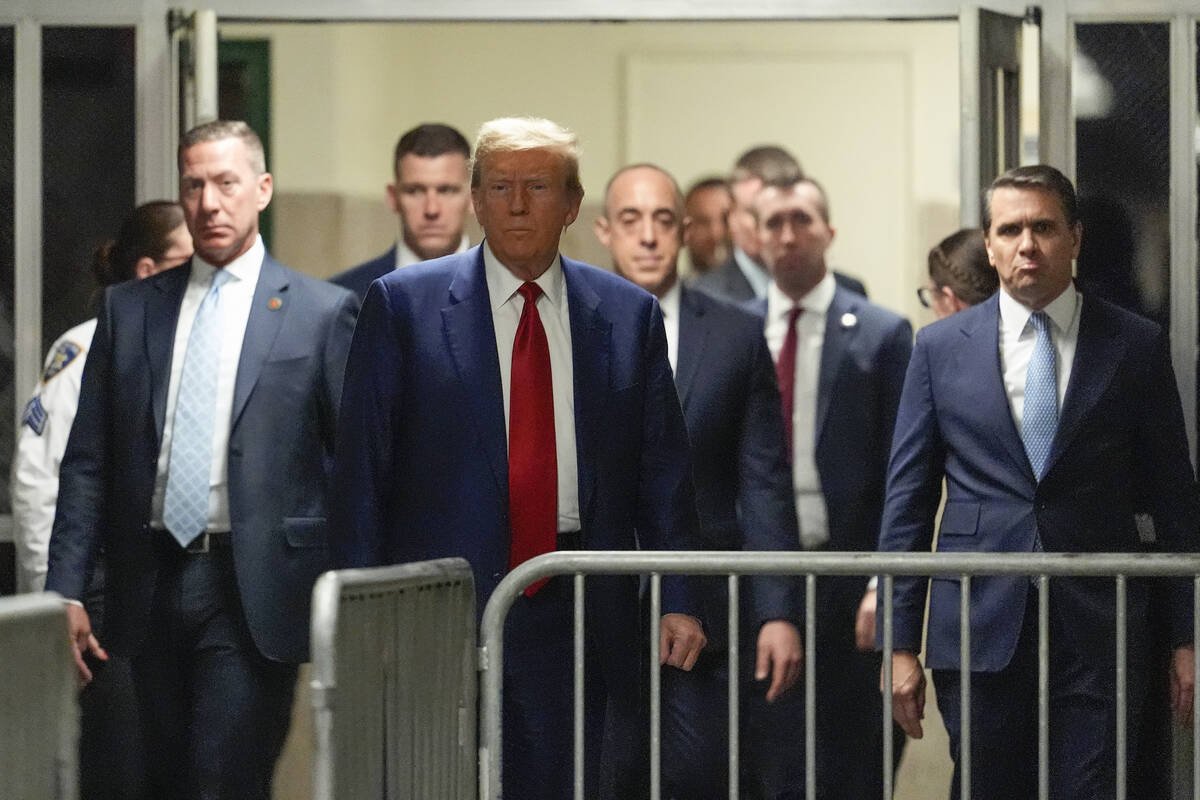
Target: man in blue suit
{"type": "Point", "coordinates": [840, 362]}
{"type": "Point", "coordinates": [509, 401]}
{"type": "Point", "coordinates": [198, 463]}
{"type": "Point", "coordinates": [730, 401]}
{"type": "Point", "coordinates": [1055, 420]}
{"type": "Point", "coordinates": [429, 198]}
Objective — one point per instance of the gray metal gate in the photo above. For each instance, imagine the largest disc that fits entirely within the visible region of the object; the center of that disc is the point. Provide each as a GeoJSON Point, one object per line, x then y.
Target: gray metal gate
{"type": "Point", "coordinates": [394, 682]}
{"type": "Point", "coordinates": [39, 718]}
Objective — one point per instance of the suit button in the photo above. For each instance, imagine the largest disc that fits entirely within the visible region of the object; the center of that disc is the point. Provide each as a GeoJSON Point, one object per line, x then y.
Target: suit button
{"type": "Point", "coordinates": [497, 576]}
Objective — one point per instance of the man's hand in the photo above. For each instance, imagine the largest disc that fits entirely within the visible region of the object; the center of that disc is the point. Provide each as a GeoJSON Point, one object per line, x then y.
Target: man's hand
{"type": "Point", "coordinates": [779, 655]}
{"type": "Point", "coordinates": [1183, 683]}
{"type": "Point", "coordinates": [79, 629]}
{"type": "Point", "coordinates": [908, 692]}
{"type": "Point", "coordinates": [680, 640]}
{"type": "Point", "coordinates": [864, 623]}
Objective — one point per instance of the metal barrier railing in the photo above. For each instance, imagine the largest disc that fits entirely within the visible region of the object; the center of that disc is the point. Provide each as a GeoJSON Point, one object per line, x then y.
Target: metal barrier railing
{"type": "Point", "coordinates": [39, 718]}
{"type": "Point", "coordinates": [1119, 567]}
{"type": "Point", "coordinates": [394, 682]}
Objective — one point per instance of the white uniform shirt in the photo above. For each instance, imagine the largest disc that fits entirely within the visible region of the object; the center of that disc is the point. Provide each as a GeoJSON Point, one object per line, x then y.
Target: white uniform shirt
{"type": "Point", "coordinates": [405, 257]}
{"type": "Point", "coordinates": [41, 442]}
{"type": "Point", "coordinates": [556, 319]}
{"type": "Point", "coordinates": [669, 303]}
{"type": "Point", "coordinates": [1017, 338]}
{"type": "Point", "coordinates": [236, 296]}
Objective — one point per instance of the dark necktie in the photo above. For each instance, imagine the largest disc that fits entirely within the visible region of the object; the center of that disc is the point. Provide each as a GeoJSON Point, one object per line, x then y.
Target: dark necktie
{"type": "Point", "coordinates": [785, 370]}
{"type": "Point", "coordinates": [532, 459]}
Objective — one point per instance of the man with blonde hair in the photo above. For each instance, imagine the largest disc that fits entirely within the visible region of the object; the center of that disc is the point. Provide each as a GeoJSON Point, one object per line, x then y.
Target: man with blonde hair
{"type": "Point", "coordinates": [506, 402]}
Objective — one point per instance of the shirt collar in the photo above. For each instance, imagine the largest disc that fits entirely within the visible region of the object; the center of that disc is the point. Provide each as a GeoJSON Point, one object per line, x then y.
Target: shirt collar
{"type": "Point", "coordinates": [503, 284]}
{"type": "Point", "coordinates": [406, 257]}
{"type": "Point", "coordinates": [1014, 315]}
{"type": "Point", "coordinates": [755, 275]}
{"type": "Point", "coordinates": [243, 268]}
{"type": "Point", "coordinates": [669, 302]}
{"type": "Point", "coordinates": [817, 301]}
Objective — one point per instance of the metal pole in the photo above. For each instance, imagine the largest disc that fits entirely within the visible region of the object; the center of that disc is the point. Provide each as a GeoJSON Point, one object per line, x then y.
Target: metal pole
{"type": "Point", "coordinates": [1121, 677]}
{"type": "Point", "coordinates": [810, 686]}
{"type": "Point", "coordinates": [1043, 687]}
{"type": "Point", "coordinates": [964, 672]}
{"type": "Point", "coordinates": [734, 688]}
{"type": "Point", "coordinates": [655, 685]}
{"type": "Point", "coordinates": [888, 642]}
{"type": "Point", "coordinates": [579, 712]}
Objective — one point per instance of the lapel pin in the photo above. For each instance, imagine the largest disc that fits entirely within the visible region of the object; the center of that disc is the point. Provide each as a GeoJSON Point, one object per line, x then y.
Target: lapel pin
{"type": "Point", "coordinates": [274, 304]}
{"type": "Point", "coordinates": [849, 320]}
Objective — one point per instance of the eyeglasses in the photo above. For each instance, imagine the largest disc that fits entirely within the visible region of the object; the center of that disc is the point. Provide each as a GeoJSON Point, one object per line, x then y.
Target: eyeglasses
{"type": "Point", "coordinates": [925, 295]}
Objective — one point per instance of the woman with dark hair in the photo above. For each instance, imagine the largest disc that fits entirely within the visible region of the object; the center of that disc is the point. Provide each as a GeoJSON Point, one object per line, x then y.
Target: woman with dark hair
{"type": "Point", "coordinates": [960, 274]}
{"type": "Point", "coordinates": [152, 239]}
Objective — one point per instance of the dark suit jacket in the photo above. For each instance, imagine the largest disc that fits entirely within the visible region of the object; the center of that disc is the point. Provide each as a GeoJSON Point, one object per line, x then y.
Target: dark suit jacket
{"type": "Point", "coordinates": [1120, 449]}
{"type": "Point", "coordinates": [358, 279]}
{"type": "Point", "coordinates": [422, 467]}
{"type": "Point", "coordinates": [286, 394]}
{"type": "Point", "coordinates": [728, 282]}
{"type": "Point", "coordinates": [726, 383]}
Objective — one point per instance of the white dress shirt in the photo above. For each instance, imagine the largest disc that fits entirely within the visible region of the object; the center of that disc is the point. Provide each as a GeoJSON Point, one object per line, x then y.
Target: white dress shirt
{"type": "Point", "coordinates": [552, 308]}
{"type": "Point", "coordinates": [1017, 338]}
{"type": "Point", "coordinates": [669, 303]}
{"type": "Point", "coordinates": [405, 257]}
{"type": "Point", "coordinates": [236, 297]}
{"type": "Point", "coordinates": [755, 275]}
{"type": "Point", "coordinates": [811, 512]}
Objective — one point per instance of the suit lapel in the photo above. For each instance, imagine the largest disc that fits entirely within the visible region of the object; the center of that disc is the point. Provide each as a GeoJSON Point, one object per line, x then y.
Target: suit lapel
{"type": "Point", "coordinates": [1097, 353]}
{"type": "Point", "coordinates": [693, 337]}
{"type": "Point", "coordinates": [839, 336]}
{"type": "Point", "coordinates": [984, 388]}
{"type": "Point", "coordinates": [268, 309]}
{"type": "Point", "coordinates": [591, 343]}
{"type": "Point", "coordinates": [161, 319]}
{"type": "Point", "coordinates": [470, 333]}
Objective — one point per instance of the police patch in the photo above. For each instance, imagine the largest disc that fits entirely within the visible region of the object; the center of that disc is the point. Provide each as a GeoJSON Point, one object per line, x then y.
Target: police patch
{"type": "Point", "coordinates": [35, 415]}
{"type": "Point", "coordinates": [64, 354]}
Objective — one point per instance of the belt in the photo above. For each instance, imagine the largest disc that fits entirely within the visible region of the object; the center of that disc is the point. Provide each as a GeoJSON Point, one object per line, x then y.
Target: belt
{"type": "Point", "coordinates": [569, 540]}
{"type": "Point", "coordinates": [209, 540]}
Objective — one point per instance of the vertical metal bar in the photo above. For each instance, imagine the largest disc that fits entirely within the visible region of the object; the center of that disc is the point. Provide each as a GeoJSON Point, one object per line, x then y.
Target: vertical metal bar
{"type": "Point", "coordinates": [1120, 688]}
{"type": "Point", "coordinates": [888, 642]}
{"type": "Point", "coordinates": [655, 685]}
{"type": "Point", "coordinates": [734, 685]}
{"type": "Point", "coordinates": [1043, 584]}
{"type": "Point", "coordinates": [579, 765]}
{"type": "Point", "coordinates": [205, 39]}
{"type": "Point", "coordinates": [810, 686]}
{"type": "Point", "coordinates": [964, 679]}
{"type": "Point", "coordinates": [27, 211]}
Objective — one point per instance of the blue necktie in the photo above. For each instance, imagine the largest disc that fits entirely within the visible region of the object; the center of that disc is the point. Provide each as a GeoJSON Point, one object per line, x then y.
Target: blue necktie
{"type": "Point", "coordinates": [185, 506]}
{"type": "Point", "coordinates": [1040, 418]}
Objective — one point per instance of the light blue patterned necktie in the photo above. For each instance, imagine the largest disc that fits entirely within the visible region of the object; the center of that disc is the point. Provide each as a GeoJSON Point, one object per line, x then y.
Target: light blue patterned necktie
{"type": "Point", "coordinates": [185, 506]}
{"type": "Point", "coordinates": [1039, 420]}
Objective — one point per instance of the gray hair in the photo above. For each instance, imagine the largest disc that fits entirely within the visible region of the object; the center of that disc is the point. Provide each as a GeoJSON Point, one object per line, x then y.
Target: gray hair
{"type": "Point", "coordinates": [226, 129]}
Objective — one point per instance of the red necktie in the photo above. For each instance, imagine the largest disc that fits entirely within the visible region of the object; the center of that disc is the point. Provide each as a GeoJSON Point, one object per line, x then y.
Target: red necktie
{"type": "Point", "coordinates": [785, 370]}
{"type": "Point", "coordinates": [532, 459]}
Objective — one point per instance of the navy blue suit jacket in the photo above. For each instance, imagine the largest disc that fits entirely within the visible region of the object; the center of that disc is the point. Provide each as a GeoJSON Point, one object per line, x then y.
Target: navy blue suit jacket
{"type": "Point", "coordinates": [729, 283]}
{"type": "Point", "coordinates": [281, 443]}
{"type": "Point", "coordinates": [422, 467]}
{"type": "Point", "coordinates": [359, 279]}
{"type": "Point", "coordinates": [1120, 450]}
{"type": "Point", "coordinates": [726, 383]}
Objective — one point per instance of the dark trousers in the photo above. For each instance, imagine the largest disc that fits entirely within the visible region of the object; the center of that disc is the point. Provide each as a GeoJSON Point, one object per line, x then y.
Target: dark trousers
{"type": "Point", "coordinates": [214, 710]}
{"type": "Point", "coordinates": [112, 763]}
{"type": "Point", "coordinates": [1082, 744]}
{"type": "Point", "coordinates": [538, 709]}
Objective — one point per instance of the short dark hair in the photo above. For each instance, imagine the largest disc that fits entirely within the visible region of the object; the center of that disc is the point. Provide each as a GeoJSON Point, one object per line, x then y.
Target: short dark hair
{"type": "Point", "coordinates": [428, 140]}
{"type": "Point", "coordinates": [768, 163]}
{"type": "Point", "coordinates": [788, 183]}
{"type": "Point", "coordinates": [220, 129]}
{"type": "Point", "coordinates": [960, 261]}
{"type": "Point", "coordinates": [1035, 176]}
{"type": "Point", "coordinates": [704, 184]}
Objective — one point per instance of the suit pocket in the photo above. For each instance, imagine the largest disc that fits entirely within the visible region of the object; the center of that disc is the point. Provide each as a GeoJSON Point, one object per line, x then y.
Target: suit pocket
{"type": "Point", "coordinates": [305, 531]}
{"type": "Point", "coordinates": [960, 519]}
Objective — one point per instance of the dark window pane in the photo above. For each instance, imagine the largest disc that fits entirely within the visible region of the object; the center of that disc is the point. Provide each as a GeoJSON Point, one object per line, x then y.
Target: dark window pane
{"type": "Point", "coordinates": [1122, 110]}
{"type": "Point", "coordinates": [88, 157]}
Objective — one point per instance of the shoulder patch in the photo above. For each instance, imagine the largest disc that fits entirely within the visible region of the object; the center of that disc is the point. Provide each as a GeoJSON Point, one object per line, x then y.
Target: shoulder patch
{"type": "Point", "coordinates": [64, 354]}
{"type": "Point", "coordinates": [35, 415]}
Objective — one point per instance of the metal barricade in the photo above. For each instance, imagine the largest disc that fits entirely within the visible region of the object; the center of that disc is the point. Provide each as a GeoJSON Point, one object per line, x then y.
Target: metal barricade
{"type": "Point", "coordinates": [394, 682]}
{"type": "Point", "coordinates": [39, 718]}
{"type": "Point", "coordinates": [1119, 567]}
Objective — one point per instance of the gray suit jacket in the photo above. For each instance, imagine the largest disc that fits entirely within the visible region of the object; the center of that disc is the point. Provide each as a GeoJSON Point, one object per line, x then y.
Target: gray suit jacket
{"type": "Point", "coordinates": [286, 396]}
